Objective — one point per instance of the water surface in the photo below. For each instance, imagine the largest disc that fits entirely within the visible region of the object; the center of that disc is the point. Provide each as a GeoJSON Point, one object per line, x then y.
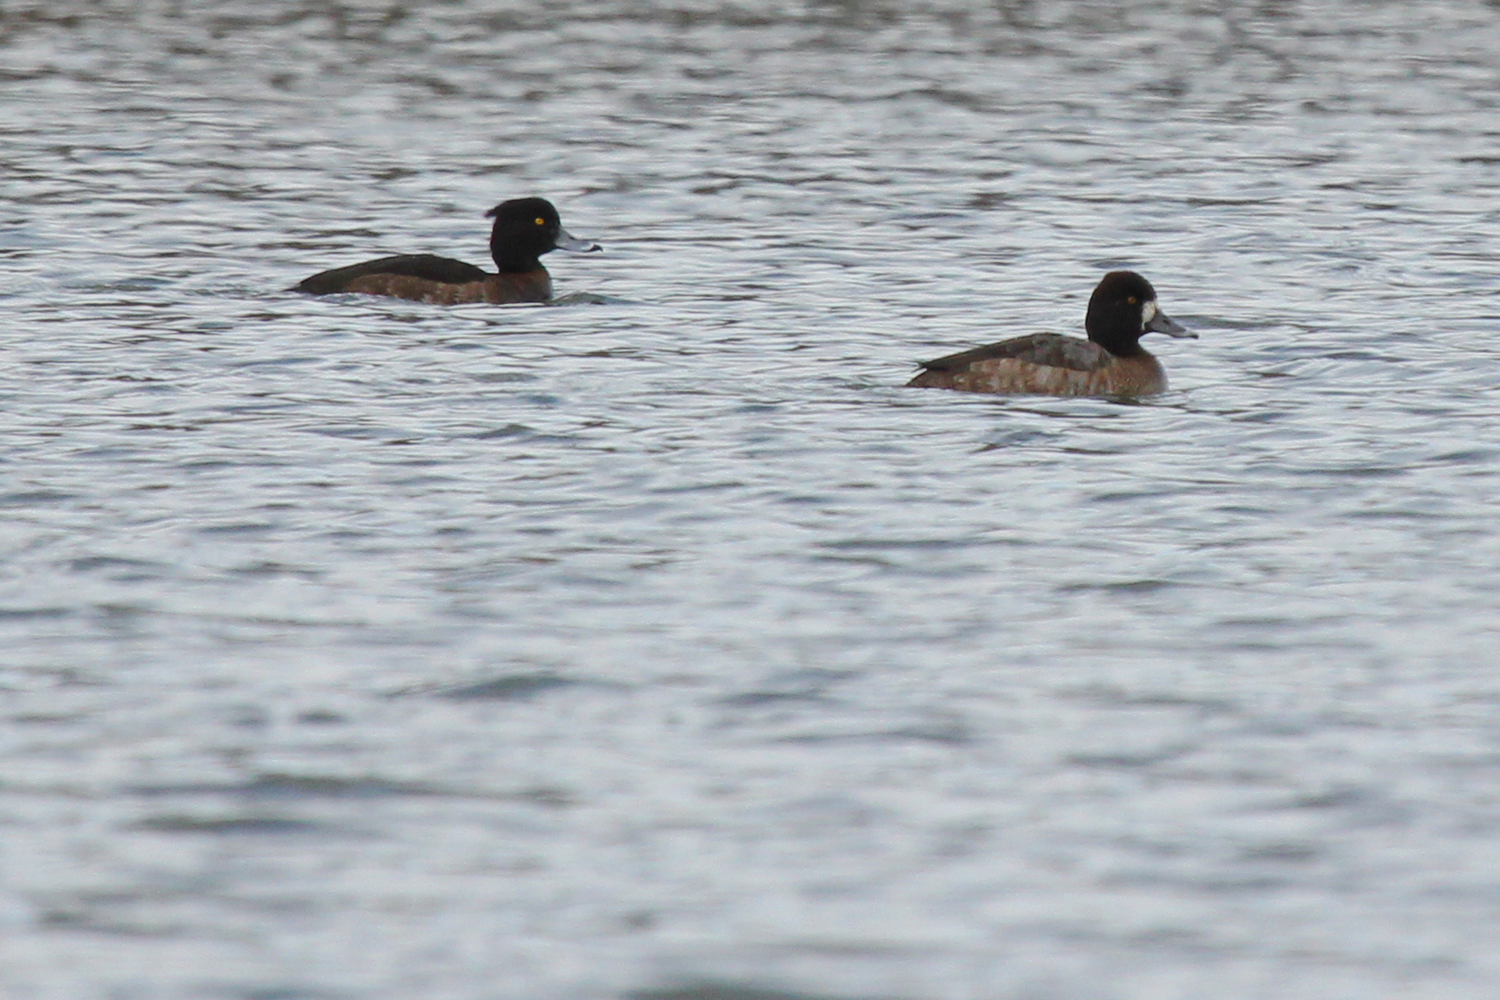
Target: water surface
{"type": "Point", "coordinates": [660, 646]}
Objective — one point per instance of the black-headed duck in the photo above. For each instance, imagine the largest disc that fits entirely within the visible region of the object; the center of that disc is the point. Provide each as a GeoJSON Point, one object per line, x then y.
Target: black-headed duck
{"type": "Point", "coordinates": [525, 228]}
{"type": "Point", "coordinates": [1110, 363]}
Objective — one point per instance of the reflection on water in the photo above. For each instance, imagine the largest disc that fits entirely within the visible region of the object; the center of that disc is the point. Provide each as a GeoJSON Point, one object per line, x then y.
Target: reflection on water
{"type": "Point", "coordinates": [661, 645]}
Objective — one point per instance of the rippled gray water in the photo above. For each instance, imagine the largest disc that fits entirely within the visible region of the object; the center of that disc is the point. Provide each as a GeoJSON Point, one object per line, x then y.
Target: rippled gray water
{"type": "Point", "coordinates": [660, 646]}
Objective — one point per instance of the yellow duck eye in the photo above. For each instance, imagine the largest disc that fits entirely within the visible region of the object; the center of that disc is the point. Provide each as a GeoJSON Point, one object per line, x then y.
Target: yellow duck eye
{"type": "Point", "coordinates": [541, 222]}
{"type": "Point", "coordinates": [1132, 300]}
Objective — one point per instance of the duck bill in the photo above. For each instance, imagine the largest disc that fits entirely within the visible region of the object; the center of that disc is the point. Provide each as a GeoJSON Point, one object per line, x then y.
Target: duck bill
{"type": "Point", "coordinates": [567, 241]}
{"type": "Point", "coordinates": [1162, 323]}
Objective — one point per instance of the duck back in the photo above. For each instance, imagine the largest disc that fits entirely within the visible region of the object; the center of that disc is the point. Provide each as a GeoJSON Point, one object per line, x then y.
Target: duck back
{"type": "Point", "coordinates": [424, 266]}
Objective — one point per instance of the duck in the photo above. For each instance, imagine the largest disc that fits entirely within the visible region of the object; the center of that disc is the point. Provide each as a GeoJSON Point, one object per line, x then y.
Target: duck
{"type": "Point", "coordinates": [525, 228]}
{"type": "Point", "coordinates": [1111, 362]}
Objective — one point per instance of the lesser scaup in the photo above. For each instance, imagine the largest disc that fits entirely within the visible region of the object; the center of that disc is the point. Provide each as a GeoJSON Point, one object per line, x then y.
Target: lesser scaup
{"type": "Point", "coordinates": [1110, 363]}
{"type": "Point", "coordinates": [525, 228]}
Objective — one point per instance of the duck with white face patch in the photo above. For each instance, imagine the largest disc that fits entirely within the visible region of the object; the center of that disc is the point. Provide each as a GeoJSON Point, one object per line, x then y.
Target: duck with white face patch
{"type": "Point", "coordinates": [1111, 362]}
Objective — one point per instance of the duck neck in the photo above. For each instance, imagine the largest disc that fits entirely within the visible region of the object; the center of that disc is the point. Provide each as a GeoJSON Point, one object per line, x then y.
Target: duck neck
{"type": "Point", "coordinates": [511, 262]}
{"type": "Point", "coordinates": [1126, 346]}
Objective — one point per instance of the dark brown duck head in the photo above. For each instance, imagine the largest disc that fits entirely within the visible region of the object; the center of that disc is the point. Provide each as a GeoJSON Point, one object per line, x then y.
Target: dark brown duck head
{"type": "Point", "coordinates": [526, 228]}
{"type": "Point", "coordinates": [1122, 310]}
